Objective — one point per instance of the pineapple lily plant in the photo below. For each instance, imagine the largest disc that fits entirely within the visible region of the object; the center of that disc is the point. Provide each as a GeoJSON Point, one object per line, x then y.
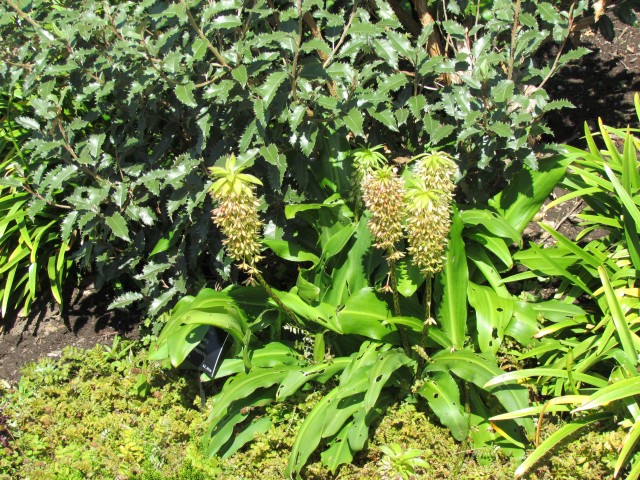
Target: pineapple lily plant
{"type": "Point", "coordinates": [367, 348]}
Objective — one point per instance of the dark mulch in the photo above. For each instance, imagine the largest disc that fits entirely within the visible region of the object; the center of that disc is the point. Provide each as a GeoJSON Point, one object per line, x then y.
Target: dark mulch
{"type": "Point", "coordinates": [600, 85]}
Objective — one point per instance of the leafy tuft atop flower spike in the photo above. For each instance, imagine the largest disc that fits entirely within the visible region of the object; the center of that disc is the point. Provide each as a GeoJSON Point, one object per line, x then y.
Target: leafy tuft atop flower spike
{"type": "Point", "coordinates": [438, 170]}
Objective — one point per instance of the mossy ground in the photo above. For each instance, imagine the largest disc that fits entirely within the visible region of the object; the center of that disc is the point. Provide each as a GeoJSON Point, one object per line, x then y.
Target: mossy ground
{"type": "Point", "coordinates": [107, 413]}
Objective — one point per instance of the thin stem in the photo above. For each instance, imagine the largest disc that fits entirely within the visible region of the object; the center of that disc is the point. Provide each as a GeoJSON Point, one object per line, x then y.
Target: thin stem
{"type": "Point", "coordinates": [343, 36]}
{"type": "Point", "coordinates": [203, 37]}
{"type": "Point", "coordinates": [427, 299]}
{"type": "Point", "coordinates": [394, 285]}
{"type": "Point", "coordinates": [554, 67]}
{"type": "Point", "coordinates": [514, 32]}
{"type": "Point", "coordinates": [428, 320]}
{"type": "Point", "coordinates": [396, 303]}
{"type": "Point", "coordinates": [275, 298]}
{"type": "Point", "coordinates": [296, 56]}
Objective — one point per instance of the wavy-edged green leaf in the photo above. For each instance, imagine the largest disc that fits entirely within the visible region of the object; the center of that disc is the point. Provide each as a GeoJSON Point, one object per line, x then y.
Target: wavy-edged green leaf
{"type": "Point", "coordinates": [184, 93]}
{"type": "Point", "coordinates": [291, 251]}
{"type": "Point", "coordinates": [443, 396]}
{"type": "Point", "coordinates": [118, 226]}
{"type": "Point", "coordinates": [269, 88]}
{"type": "Point", "coordinates": [125, 299]}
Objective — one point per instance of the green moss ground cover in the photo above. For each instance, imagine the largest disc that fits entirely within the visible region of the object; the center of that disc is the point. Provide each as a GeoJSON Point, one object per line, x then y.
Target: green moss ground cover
{"type": "Point", "coordinates": [108, 413]}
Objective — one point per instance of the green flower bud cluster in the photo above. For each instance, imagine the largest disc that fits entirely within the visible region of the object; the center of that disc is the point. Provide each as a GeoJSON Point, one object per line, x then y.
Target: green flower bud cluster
{"type": "Point", "coordinates": [429, 198]}
{"type": "Point", "coordinates": [422, 210]}
{"type": "Point", "coordinates": [237, 213]}
{"type": "Point", "coordinates": [237, 217]}
{"type": "Point", "coordinates": [383, 194]}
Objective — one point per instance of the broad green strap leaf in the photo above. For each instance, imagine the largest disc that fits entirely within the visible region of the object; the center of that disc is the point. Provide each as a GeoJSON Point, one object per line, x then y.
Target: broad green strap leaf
{"type": "Point", "coordinates": [258, 426]}
{"type": "Point", "coordinates": [291, 251]}
{"type": "Point", "coordinates": [273, 354]}
{"type": "Point", "coordinates": [452, 314]}
{"type": "Point", "coordinates": [526, 193]}
{"type": "Point", "coordinates": [339, 451]}
{"type": "Point", "coordinates": [219, 433]}
{"type": "Point", "coordinates": [323, 314]}
{"type": "Point", "coordinates": [493, 314]}
{"type": "Point", "coordinates": [443, 396]}
{"type": "Point", "coordinates": [476, 369]}
{"type": "Point", "coordinates": [365, 314]}
{"type": "Point", "coordinates": [409, 277]}
{"type": "Point", "coordinates": [297, 378]}
{"type": "Point", "coordinates": [353, 275]}
{"type": "Point", "coordinates": [337, 241]}
{"type": "Point", "coordinates": [310, 433]}
{"type": "Point", "coordinates": [244, 384]}
{"type": "Point", "coordinates": [388, 363]}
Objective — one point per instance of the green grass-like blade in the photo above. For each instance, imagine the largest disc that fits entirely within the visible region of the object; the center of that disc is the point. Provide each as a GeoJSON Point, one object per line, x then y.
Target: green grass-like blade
{"type": "Point", "coordinates": [545, 372]}
{"type": "Point", "coordinates": [622, 327]}
{"type": "Point", "coordinates": [555, 439]}
{"type": "Point", "coordinates": [627, 447]}
{"type": "Point", "coordinates": [610, 393]}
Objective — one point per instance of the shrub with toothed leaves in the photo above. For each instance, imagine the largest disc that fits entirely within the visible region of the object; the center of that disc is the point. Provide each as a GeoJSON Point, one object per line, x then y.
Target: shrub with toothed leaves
{"type": "Point", "coordinates": [133, 101]}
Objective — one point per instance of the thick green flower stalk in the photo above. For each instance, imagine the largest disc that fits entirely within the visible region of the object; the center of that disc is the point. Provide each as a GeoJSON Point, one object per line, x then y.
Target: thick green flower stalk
{"type": "Point", "coordinates": [237, 213]}
{"type": "Point", "coordinates": [237, 217]}
{"type": "Point", "coordinates": [383, 194]}
{"type": "Point", "coordinates": [429, 198]}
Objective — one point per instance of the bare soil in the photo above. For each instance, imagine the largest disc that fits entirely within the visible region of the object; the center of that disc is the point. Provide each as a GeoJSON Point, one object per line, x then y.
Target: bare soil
{"type": "Point", "coordinates": [84, 322]}
{"type": "Point", "coordinates": [600, 85]}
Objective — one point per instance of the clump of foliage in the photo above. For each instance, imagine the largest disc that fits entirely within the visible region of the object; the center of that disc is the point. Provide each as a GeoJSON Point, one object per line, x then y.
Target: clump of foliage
{"type": "Point", "coordinates": [370, 340]}
{"type": "Point", "coordinates": [590, 361]}
{"type": "Point", "coordinates": [134, 101]}
{"type": "Point", "coordinates": [33, 257]}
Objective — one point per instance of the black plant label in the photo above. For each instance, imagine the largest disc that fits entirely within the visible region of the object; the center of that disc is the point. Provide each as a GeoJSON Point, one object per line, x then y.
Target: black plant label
{"type": "Point", "coordinates": [208, 354]}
